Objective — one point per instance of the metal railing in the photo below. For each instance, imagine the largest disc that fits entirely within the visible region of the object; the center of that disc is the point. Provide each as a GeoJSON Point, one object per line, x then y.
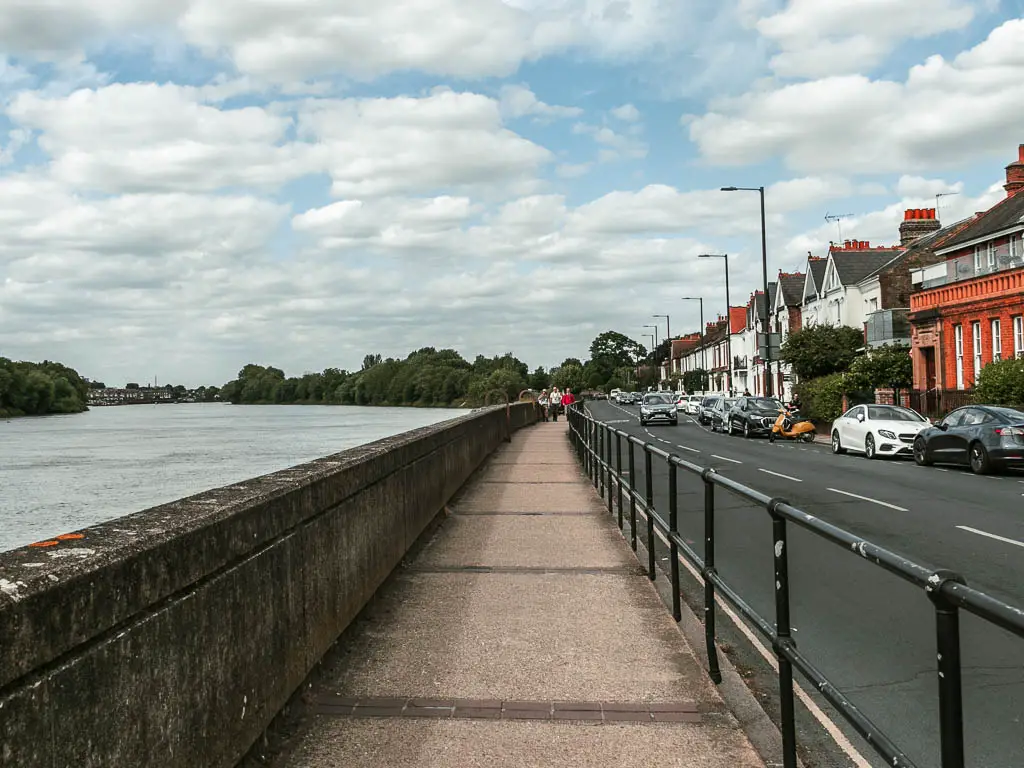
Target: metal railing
{"type": "Point", "coordinates": [949, 593]}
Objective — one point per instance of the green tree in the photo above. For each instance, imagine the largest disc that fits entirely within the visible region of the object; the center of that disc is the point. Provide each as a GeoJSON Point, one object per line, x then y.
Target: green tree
{"type": "Point", "coordinates": [888, 366]}
{"type": "Point", "coordinates": [539, 379]}
{"type": "Point", "coordinates": [1001, 383]}
{"type": "Point", "coordinates": [821, 350]}
{"type": "Point", "coordinates": [618, 347]}
{"type": "Point", "coordinates": [696, 380]}
{"type": "Point", "coordinates": [31, 389]}
{"type": "Point", "coordinates": [569, 376]}
{"type": "Point", "coordinates": [371, 360]}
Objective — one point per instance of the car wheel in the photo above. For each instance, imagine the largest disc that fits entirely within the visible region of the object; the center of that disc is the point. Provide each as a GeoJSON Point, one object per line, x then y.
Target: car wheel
{"type": "Point", "coordinates": [980, 462]}
{"type": "Point", "coordinates": [837, 446]}
{"type": "Point", "coordinates": [746, 430]}
{"type": "Point", "coordinates": [869, 447]}
{"type": "Point", "coordinates": [921, 453]}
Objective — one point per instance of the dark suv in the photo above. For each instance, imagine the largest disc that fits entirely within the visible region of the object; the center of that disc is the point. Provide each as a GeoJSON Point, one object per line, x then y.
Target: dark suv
{"type": "Point", "coordinates": [752, 416]}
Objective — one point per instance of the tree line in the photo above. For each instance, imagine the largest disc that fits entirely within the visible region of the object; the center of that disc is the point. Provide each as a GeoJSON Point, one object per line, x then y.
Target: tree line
{"type": "Point", "coordinates": [36, 389]}
{"type": "Point", "coordinates": [426, 377]}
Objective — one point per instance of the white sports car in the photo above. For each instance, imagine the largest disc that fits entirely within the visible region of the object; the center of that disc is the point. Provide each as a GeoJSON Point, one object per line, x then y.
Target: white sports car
{"type": "Point", "coordinates": [877, 430]}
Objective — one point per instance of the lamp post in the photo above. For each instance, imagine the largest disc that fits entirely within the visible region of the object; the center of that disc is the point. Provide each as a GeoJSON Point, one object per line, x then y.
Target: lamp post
{"type": "Point", "coordinates": [668, 337]}
{"type": "Point", "coordinates": [728, 319]}
{"type": "Point", "coordinates": [764, 276]}
{"type": "Point", "coordinates": [703, 349]}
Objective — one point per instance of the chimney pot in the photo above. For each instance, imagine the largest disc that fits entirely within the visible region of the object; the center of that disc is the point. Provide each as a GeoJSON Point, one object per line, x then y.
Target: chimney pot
{"type": "Point", "coordinates": [1020, 154]}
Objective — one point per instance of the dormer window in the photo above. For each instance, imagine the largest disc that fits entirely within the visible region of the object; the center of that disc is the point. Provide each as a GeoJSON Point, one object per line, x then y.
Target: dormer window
{"type": "Point", "coordinates": [991, 256]}
{"type": "Point", "coordinates": [977, 259]}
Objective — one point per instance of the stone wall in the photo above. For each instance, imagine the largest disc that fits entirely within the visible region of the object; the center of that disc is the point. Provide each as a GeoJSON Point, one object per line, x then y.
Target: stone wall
{"type": "Point", "coordinates": [173, 636]}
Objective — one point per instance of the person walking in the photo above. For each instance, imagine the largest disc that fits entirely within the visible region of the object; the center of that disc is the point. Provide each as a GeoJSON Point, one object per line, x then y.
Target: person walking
{"type": "Point", "coordinates": [542, 401]}
{"type": "Point", "coordinates": [567, 399]}
{"type": "Point", "coordinates": [554, 403]}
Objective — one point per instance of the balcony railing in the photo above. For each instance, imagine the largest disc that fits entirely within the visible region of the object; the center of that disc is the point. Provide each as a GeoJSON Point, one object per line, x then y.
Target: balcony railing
{"type": "Point", "coordinates": [985, 262]}
{"type": "Point", "coordinates": [887, 326]}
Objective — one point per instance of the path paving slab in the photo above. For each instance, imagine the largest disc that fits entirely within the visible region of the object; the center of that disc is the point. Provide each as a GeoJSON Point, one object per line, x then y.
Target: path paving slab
{"type": "Point", "coordinates": [524, 633]}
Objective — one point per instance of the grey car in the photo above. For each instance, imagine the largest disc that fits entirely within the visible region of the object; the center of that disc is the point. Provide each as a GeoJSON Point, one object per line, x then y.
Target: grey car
{"type": "Point", "coordinates": [720, 413]}
{"type": "Point", "coordinates": [658, 406]}
{"type": "Point", "coordinates": [707, 405]}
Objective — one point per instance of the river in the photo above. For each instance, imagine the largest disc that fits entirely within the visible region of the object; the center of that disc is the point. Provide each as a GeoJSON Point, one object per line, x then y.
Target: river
{"type": "Point", "coordinates": [63, 473]}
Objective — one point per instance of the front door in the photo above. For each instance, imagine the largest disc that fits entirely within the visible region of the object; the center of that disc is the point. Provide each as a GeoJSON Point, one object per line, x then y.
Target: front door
{"type": "Point", "coordinates": [929, 367]}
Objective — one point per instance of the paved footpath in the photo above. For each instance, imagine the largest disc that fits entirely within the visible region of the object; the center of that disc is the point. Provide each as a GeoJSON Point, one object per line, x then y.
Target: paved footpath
{"type": "Point", "coordinates": [524, 633]}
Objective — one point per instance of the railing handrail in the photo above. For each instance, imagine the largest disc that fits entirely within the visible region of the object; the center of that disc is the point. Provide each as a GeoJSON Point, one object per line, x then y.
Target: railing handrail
{"type": "Point", "coordinates": [946, 589]}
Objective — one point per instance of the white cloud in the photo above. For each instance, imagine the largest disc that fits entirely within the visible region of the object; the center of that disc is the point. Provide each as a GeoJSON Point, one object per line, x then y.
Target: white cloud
{"type": "Point", "coordinates": [917, 186]}
{"type": "Point", "coordinates": [819, 38]}
{"type": "Point", "coordinates": [945, 114]}
{"type": "Point", "coordinates": [613, 146]}
{"type": "Point", "coordinates": [147, 137]}
{"type": "Point", "coordinates": [627, 113]}
{"type": "Point", "coordinates": [519, 101]}
{"type": "Point", "coordinates": [404, 145]}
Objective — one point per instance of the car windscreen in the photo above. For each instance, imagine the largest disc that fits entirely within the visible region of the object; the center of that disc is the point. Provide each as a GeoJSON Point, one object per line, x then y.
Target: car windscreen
{"type": "Point", "coordinates": [892, 413]}
{"type": "Point", "coordinates": [764, 404]}
{"type": "Point", "coordinates": [659, 400]}
{"type": "Point", "coordinates": [709, 402]}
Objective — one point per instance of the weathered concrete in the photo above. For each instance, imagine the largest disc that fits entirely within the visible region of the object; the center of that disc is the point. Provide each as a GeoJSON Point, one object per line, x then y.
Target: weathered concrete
{"type": "Point", "coordinates": [172, 637]}
{"type": "Point", "coordinates": [566, 614]}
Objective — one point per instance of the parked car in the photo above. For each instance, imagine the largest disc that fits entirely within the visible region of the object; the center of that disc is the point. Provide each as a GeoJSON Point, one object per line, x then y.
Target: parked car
{"type": "Point", "coordinates": [720, 413]}
{"type": "Point", "coordinates": [658, 406]}
{"type": "Point", "coordinates": [986, 438]}
{"type": "Point", "coordinates": [752, 416]}
{"type": "Point", "coordinates": [693, 404]}
{"type": "Point", "coordinates": [707, 405]}
{"type": "Point", "coordinates": [877, 430]}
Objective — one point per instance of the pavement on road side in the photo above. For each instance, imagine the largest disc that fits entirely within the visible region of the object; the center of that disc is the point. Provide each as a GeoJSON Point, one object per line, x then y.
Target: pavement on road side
{"type": "Point", "coordinates": [524, 633]}
{"type": "Point", "coordinates": [872, 634]}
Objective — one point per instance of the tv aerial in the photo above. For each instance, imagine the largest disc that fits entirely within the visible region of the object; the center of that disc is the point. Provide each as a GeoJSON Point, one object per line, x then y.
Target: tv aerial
{"type": "Point", "coordinates": [838, 219]}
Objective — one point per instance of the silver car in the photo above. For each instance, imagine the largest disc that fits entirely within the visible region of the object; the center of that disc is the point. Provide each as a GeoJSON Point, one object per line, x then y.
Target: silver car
{"type": "Point", "coordinates": [658, 406]}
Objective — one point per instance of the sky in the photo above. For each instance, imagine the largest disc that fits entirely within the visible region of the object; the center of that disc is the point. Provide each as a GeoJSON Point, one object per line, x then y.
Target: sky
{"type": "Point", "coordinates": [188, 186]}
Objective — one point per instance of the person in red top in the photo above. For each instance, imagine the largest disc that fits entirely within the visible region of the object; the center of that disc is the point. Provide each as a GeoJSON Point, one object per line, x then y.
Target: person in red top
{"type": "Point", "coordinates": [567, 399]}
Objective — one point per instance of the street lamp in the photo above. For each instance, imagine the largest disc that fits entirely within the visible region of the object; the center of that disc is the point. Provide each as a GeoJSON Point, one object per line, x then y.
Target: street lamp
{"type": "Point", "coordinates": [668, 337]}
{"type": "Point", "coordinates": [728, 319]}
{"type": "Point", "coordinates": [655, 334]}
{"type": "Point", "coordinates": [703, 349]}
{"type": "Point", "coordinates": [764, 276]}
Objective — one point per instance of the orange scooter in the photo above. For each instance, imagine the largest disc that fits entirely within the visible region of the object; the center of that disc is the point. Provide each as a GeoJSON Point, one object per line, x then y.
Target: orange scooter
{"type": "Point", "coordinates": [788, 427]}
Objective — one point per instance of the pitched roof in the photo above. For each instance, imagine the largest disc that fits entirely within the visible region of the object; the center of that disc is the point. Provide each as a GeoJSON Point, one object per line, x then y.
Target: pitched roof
{"type": "Point", "coordinates": [761, 303]}
{"type": "Point", "coordinates": [738, 319]}
{"type": "Point", "coordinates": [792, 286]}
{"type": "Point", "coordinates": [1005, 214]}
{"type": "Point", "coordinates": [815, 274]}
{"type": "Point", "coordinates": [921, 246]}
{"type": "Point", "coordinates": [854, 266]}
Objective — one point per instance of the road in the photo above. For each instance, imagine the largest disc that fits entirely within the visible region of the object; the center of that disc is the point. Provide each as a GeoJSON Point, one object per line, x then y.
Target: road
{"type": "Point", "coordinates": [872, 634]}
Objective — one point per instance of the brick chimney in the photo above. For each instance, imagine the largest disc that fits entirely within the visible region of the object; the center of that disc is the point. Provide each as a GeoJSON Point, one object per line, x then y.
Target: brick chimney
{"type": "Point", "coordinates": [1015, 174]}
{"type": "Point", "coordinates": [917, 222]}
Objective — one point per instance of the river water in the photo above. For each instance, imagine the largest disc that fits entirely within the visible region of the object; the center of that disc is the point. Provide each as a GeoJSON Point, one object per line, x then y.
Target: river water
{"type": "Point", "coordinates": [62, 473]}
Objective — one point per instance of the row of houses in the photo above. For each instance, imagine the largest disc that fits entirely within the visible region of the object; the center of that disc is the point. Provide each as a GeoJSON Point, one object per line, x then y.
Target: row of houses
{"type": "Point", "coordinates": [954, 294]}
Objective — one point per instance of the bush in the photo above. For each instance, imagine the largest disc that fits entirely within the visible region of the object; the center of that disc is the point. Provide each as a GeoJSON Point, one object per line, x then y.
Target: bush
{"type": "Point", "coordinates": [1001, 383]}
{"type": "Point", "coordinates": [822, 398]}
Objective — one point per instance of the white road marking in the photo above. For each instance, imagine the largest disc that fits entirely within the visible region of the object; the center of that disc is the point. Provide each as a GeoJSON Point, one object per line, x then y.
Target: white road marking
{"type": "Point", "coordinates": [991, 535]}
{"type": "Point", "coordinates": [937, 469]}
{"type": "Point", "coordinates": [779, 474]}
{"type": "Point", "coordinates": [725, 458]}
{"type": "Point", "coordinates": [833, 730]}
{"type": "Point", "coordinates": [691, 450]}
{"type": "Point", "coordinates": [868, 498]}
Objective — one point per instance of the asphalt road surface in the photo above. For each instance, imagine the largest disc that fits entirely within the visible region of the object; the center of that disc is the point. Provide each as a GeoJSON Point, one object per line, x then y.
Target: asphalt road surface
{"type": "Point", "coordinates": [871, 633]}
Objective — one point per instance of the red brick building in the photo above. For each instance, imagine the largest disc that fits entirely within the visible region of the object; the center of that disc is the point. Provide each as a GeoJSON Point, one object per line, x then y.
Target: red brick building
{"type": "Point", "coordinates": [968, 310]}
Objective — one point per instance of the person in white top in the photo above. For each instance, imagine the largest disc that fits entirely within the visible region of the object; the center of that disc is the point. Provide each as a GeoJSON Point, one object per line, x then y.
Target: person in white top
{"type": "Point", "coordinates": [554, 403]}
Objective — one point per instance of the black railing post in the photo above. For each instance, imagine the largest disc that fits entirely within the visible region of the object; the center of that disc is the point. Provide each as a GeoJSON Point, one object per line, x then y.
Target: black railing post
{"type": "Point", "coordinates": [608, 467]}
{"type": "Point", "coordinates": [947, 635]}
{"type": "Point", "coordinates": [783, 637]}
{"type": "Point", "coordinates": [709, 568]}
{"type": "Point", "coordinates": [649, 498]}
{"type": "Point", "coordinates": [632, 497]}
{"type": "Point", "coordinates": [595, 466]}
{"type": "Point", "coordinates": [618, 471]}
{"type": "Point", "coordinates": [673, 532]}
{"type": "Point", "coordinates": [601, 429]}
